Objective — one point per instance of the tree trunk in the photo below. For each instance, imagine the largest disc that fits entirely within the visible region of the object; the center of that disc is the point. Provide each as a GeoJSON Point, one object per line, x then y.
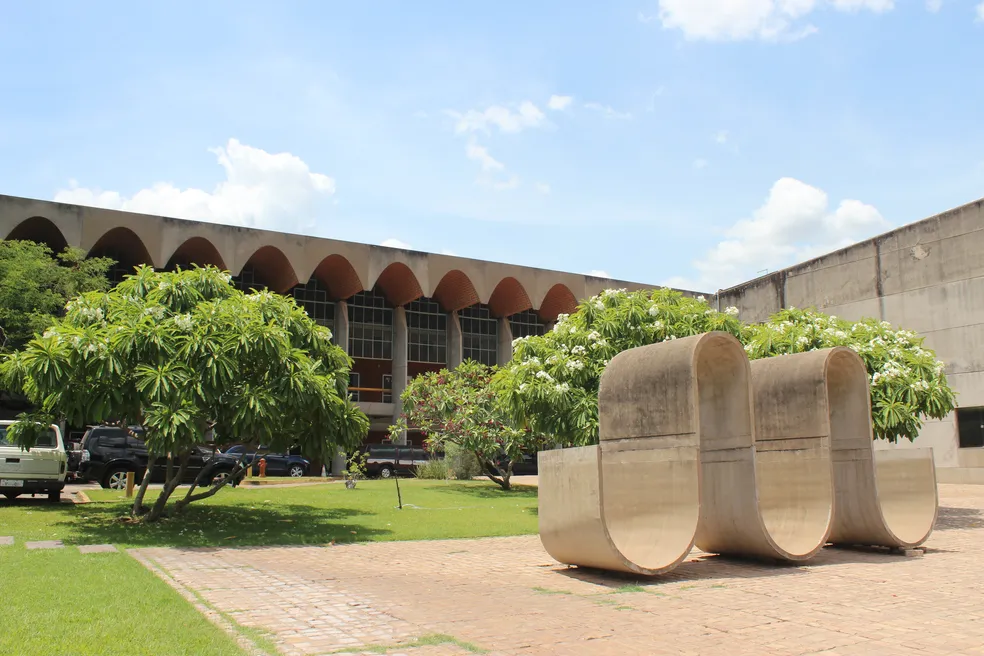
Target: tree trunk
{"type": "Point", "coordinates": [138, 507]}
{"type": "Point", "coordinates": [181, 504]}
{"type": "Point", "coordinates": [490, 471]}
{"type": "Point", "coordinates": [172, 482]}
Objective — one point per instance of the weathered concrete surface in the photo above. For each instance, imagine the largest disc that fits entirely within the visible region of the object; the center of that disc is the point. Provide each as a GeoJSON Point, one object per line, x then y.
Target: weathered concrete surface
{"type": "Point", "coordinates": [927, 276]}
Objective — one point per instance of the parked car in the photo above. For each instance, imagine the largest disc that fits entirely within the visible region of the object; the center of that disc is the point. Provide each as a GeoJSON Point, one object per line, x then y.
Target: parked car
{"type": "Point", "coordinates": [385, 460]}
{"type": "Point", "coordinates": [41, 469]}
{"type": "Point", "coordinates": [526, 466]}
{"type": "Point", "coordinates": [73, 451]}
{"type": "Point", "coordinates": [277, 464]}
{"type": "Point", "coordinates": [109, 452]}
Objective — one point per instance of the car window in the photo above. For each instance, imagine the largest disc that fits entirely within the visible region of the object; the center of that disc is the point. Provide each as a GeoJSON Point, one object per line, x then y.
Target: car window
{"type": "Point", "coordinates": [236, 450]}
{"type": "Point", "coordinates": [382, 452]}
{"type": "Point", "coordinates": [112, 442]}
{"type": "Point", "coordinates": [46, 440]}
{"type": "Point", "coordinates": [134, 443]}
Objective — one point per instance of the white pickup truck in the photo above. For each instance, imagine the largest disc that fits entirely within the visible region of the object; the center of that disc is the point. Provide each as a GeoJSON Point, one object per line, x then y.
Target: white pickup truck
{"type": "Point", "coordinates": [42, 469]}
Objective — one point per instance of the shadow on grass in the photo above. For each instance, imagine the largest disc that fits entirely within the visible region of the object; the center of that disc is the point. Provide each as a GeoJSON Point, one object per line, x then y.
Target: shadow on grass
{"type": "Point", "coordinates": [950, 519]}
{"type": "Point", "coordinates": [489, 491]}
{"type": "Point", "coordinates": [211, 525]}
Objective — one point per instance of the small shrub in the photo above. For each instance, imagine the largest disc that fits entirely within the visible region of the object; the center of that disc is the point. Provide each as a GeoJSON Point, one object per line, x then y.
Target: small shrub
{"type": "Point", "coordinates": [462, 462]}
{"type": "Point", "coordinates": [436, 469]}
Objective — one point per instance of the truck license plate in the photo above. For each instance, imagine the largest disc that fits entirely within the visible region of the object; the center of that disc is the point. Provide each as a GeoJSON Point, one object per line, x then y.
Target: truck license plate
{"type": "Point", "coordinates": [11, 482]}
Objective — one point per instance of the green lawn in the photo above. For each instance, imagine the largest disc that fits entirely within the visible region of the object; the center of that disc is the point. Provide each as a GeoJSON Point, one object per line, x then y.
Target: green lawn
{"type": "Point", "coordinates": [316, 514]}
{"type": "Point", "coordinates": [64, 602]}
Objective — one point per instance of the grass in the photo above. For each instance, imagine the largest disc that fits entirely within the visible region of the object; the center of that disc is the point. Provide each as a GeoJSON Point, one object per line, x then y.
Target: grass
{"type": "Point", "coordinates": [430, 640]}
{"type": "Point", "coordinates": [64, 602]}
{"type": "Point", "coordinates": [318, 514]}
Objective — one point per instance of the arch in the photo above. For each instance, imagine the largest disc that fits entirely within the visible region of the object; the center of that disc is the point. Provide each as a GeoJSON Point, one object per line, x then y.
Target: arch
{"type": "Point", "coordinates": [398, 284]}
{"type": "Point", "coordinates": [41, 230]}
{"type": "Point", "coordinates": [509, 297]}
{"type": "Point", "coordinates": [455, 291]}
{"type": "Point", "coordinates": [271, 269]}
{"type": "Point", "coordinates": [124, 246]}
{"type": "Point", "coordinates": [196, 250]}
{"type": "Point", "coordinates": [559, 300]}
{"type": "Point", "coordinates": [338, 275]}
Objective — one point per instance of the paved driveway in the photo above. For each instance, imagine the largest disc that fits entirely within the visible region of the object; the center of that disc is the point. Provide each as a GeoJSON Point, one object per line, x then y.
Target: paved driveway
{"type": "Point", "coordinates": [507, 596]}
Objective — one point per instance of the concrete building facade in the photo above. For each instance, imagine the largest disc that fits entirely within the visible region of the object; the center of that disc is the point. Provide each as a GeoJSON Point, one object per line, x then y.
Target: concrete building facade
{"type": "Point", "coordinates": [399, 313]}
{"type": "Point", "coordinates": [928, 277]}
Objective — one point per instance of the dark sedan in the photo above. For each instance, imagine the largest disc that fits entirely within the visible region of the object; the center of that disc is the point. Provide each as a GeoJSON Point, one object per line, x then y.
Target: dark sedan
{"type": "Point", "coordinates": [277, 464]}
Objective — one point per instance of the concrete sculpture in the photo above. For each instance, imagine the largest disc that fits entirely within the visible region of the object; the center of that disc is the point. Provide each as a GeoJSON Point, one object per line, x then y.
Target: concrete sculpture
{"type": "Point", "coordinates": [771, 459]}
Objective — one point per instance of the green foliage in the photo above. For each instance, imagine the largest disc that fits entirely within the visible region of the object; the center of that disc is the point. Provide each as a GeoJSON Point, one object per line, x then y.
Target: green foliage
{"type": "Point", "coordinates": [459, 407]}
{"type": "Point", "coordinates": [434, 469]}
{"type": "Point", "coordinates": [355, 467]}
{"type": "Point", "coordinates": [35, 285]}
{"type": "Point", "coordinates": [463, 464]}
{"type": "Point", "coordinates": [907, 381]}
{"type": "Point", "coordinates": [182, 352]}
{"type": "Point", "coordinates": [551, 384]}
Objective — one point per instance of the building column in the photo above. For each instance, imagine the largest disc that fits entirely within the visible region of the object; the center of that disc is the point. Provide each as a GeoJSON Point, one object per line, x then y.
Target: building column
{"type": "Point", "coordinates": [455, 343]}
{"type": "Point", "coordinates": [399, 365]}
{"type": "Point", "coordinates": [340, 326]}
{"type": "Point", "coordinates": [504, 352]}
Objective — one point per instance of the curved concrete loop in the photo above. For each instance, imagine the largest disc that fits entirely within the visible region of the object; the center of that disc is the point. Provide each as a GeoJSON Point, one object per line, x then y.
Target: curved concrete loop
{"type": "Point", "coordinates": [698, 446]}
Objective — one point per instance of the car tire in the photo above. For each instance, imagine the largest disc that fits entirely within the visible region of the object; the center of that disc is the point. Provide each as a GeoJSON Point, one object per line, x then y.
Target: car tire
{"type": "Point", "coordinates": [11, 495]}
{"type": "Point", "coordinates": [54, 496]}
{"type": "Point", "coordinates": [385, 471]}
{"type": "Point", "coordinates": [115, 479]}
{"type": "Point", "coordinates": [220, 475]}
{"type": "Point", "coordinates": [296, 471]}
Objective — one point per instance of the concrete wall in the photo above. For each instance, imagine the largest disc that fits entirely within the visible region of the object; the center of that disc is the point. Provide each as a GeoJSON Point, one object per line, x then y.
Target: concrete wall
{"type": "Point", "coordinates": [927, 276]}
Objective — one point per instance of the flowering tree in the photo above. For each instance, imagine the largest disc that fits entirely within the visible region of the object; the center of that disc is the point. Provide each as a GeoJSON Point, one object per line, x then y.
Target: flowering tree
{"type": "Point", "coordinates": [181, 353]}
{"type": "Point", "coordinates": [459, 407]}
{"type": "Point", "coordinates": [551, 384]}
{"type": "Point", "coordinates": [907, 381]}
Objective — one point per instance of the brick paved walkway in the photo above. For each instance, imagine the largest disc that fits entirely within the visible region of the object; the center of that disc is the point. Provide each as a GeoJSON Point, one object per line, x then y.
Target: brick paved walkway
{"type": "Point", "coordinates": [505, 595]}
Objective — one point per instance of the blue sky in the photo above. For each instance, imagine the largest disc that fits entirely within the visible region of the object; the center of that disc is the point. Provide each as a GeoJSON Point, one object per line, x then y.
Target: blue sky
{"type": "Point", "coordinates": [693, 142]}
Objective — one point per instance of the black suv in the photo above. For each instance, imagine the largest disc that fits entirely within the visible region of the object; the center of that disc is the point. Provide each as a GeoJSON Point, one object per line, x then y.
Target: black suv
{"type": "Point", "coordinates": [109, 452]}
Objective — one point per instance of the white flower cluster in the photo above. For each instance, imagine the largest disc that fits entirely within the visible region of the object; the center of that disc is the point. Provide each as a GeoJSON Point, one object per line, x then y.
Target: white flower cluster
{"type": "Point", "coordinates": [156, 311]}
{"type": "Point", "coordinates": [608, 293]}
{"type": "Point", "coordinates": [731, 311]}
{"type": "Point", "coordinates": [575, 365]}
{"type": "Point", "coordinates": [184, 322]}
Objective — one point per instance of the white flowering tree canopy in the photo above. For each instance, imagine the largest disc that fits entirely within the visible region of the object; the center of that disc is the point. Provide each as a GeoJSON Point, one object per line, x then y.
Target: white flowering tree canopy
{"type": "Point", "coordinates": [551, 384]}
{"type": "Point", "coordinates": [184, 352]}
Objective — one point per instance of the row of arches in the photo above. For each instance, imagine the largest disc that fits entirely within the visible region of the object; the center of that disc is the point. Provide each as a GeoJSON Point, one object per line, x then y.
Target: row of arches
{"type": "Point", "coordinates": [270, 268]}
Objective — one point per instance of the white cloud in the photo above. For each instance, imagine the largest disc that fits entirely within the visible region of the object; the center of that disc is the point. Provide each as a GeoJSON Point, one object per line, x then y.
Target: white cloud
{"type": "Point", "coordinates": [527, 115]}
{"type": "Point", "coordinates": [492, 169]}
{"type": "Point", "coordinates": [721, 137]}
{"type": "Point", "coordinates": [481, 155]}
{"type": "Point", "coordinates": [559, 102]}
{"type": "Point", "coordinates": [646, 18]}
{"type": "Point", "coordinates": [700, 163]}
{"type": "Point", "coordinates": [980, 12]}
{"type": "Point", "coordinates": [598, 273]}
{"type": "Point", "coordinates": [794, 224]}
{"type": "Point", "coordinates": [396, 243]}
{"type": "Point", "coordinates": [607, 111]}
{"type": "Point", "coordinates": [934, 5]}
{"type": "Point", "coordinates": [770, 20]}
{"type": "Point", "coordinates": [261, 189]}
{"type": "Point", "coordinates": [542, 187]}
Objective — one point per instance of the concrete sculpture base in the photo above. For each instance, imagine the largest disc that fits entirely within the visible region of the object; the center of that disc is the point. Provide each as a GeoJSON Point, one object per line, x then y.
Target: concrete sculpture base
{"type": "Point", "coordinates": [771, 459]}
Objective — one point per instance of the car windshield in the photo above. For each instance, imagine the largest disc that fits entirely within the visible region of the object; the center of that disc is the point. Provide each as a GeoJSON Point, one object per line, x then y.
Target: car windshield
{"type": "Point", "coordinates": [46, 440]}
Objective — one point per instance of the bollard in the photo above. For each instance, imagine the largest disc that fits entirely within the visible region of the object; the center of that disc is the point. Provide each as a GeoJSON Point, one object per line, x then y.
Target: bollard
{"type": "Point", "coordinates": [262, 467]}
{"type": "Point", "coordinates": [129, 484]}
